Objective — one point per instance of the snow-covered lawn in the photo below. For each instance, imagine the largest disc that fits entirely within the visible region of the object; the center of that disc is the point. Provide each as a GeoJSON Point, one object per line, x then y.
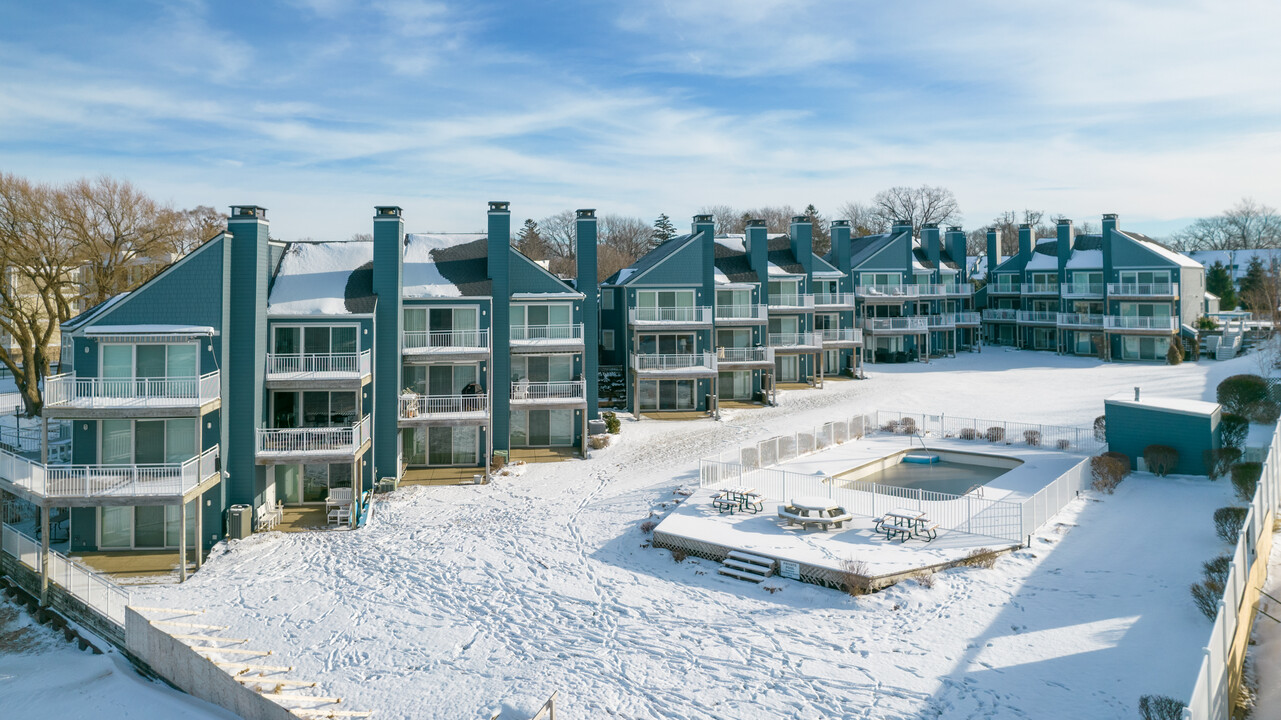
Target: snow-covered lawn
{"type": "Point", "coordinates": [456, 601]}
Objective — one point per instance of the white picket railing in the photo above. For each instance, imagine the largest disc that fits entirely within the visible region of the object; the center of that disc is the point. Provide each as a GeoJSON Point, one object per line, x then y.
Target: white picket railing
{"type": "Point", "coordinates": [1000, 315]}
{"type": "Point", "coordinates": [553, 390]}
{"type": "Point", "coordinates": [968, 318]}
{"type": "Point", "coordinates": [142, 481]}
{"type": "Point", "coordinates": [1082, 289]}
{"type": "Point", "coordinates": [67, 389]}
{"type": "Point", "coordinates": [674, 361]}
{"type": "Point", "coordinates": [895, 324]}
{"type": "Point", "coordinates": [412, 406]}
{"type": "Point", "coordinates": [836, 299]}
{"type": "Point", "coordinates": [781, 448]}
{"type": "Point", "coordinates": [1004, 288]}
{"type": "Point", "coordinates": [744, 355]}
{"type": "Point", "coordinates": [683, 314]}
{"type": "Point", "coordinates": [298, 363]}
{"type": "Point", "coordinates": [456, 340]}
{"type": "Point", "coordinates": [91, 588]}
{"type": "Point", "coordinates": [1085, 320]}
{"type": "Point", "coordinates": [944, 320]}
{"type": "Point", "coordinates": [742, 312]}
{"type": "Point", "coordinates": [841, 335]}
{"type": "Point", "coordinates": [1040, 288]}
{"type": "Point", "coordinates": [1038, 317]}
{"type": "Point", "coordinates": [536, 333]}
{"type": "Point", "coordinates": [313, 440]}
{"type": "Point", "coordinates": [887, 291]}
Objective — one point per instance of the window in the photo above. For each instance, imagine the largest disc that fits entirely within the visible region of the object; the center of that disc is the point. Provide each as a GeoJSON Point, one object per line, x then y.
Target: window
{"type": "Point", "coordinates": [440, 380]}
{"type": "Point", "coordinates": [734, 338]}
{"type": "Point", "coordinates": [441, 319]}
{"type": "Point", "coordinates": [607, 299]}
{"type": "Point", "coordinates": [779, 289]}
{"type": "Point", "coordinates": [665, 298]}
{"type": "Point", "coordinates": [147, 442]}
{"type": "Point", "coordinates": [542, 368]}
{"type": "Point", "coordinates": [542, 428]}
{"type": "Point", "coordinates": [314, 339]}
{"type": "Point", "coordinates": [733, 298]}
{"type": "Point", "coordinates": [148, 526]}
{"type": "Point", "coordinates": [149, 361]}
{"type": "Point", "coordinates": [1145, 277]}
{"type": "Point", "coordinates": [607, 339]}
{"type": "Point", "coordinates": [869, 278]}
{"type": "Point", "coordinates": [666, 344]}
{"type": "Point", "coordinates": [666, 394]}
{"type": "Point", "coordinates": [542, 321]}
{"type": "Point", "coordinates": [318, 409]}
{"type": "Point", "coordinates": [441, 445]}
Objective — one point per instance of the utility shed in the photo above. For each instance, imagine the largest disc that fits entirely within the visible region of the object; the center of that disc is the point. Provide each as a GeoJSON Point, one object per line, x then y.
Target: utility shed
{"type": "Point", "coordinates": [1189, 426]}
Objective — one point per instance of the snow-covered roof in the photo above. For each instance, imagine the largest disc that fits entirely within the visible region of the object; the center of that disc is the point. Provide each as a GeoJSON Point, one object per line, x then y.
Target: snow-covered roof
{"type": "Point", "coordinates": [829, 274]}
{"type": "Point", "coordinates": [1041, 261]}
{"type": "Point", "coordinates": [1237, 261]}
{"type": "Point", "coordinates": [776, 270]}
{"type": "Point", "coordinates": [1177, 405]}
{"type": "Point", "coordinates": [149, 330]}
{"type": "Point", "coordinates": [547, 296]}
{"type": "Point", "coordinates": [1175, 257]}
{"type": "Point", "coordinates": [733, 241]}
{"type": "Point", "coordinates": [422, 276]}
{"type": "Point", "coordinates": [1086, 260]}
{"type": "Point", "coordinates": [313, 277]}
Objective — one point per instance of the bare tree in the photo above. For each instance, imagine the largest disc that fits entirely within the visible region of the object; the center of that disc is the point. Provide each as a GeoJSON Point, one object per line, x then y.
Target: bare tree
{"type": "Point", "coordinates": [1263, 294]}
{"type": "Point", "coordinates": [864, 219]}
{"type": "Point", "coordinates": [1245, 226]}
{"type": "Point", "coordinates": [199, 225]}
{"type": "Point", "coordinates": [919, 205]}
{"type": "Point", "coordinates": [630, 236]}
{"type": "Point", "coordinates": [560, 232]}
{"type": "Point", "coordinates": [778, 218]}
{"type": "Point", "coordinates": [361, 237]}
{"type": "Point", "coordinates": [724, 215]}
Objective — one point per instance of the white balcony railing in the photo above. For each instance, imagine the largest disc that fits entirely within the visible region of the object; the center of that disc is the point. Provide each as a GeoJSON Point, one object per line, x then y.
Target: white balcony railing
{"type": "Point", "coordinates": [1143, 289]}
{"type": "Point", "coordinates": [682, 314]}
{"type": "Point", "coordinates": [315, 440]}
{"type": "Point", "coordinates": [452, 341]}
{"type": "Point", "coordinates": [1082, 289]}
{"type": "Point", "coordinates": [67, 389]}
{"type": "Point", "coordinates": [414, 406]}
{"type": "Point", "coordinates": [958, 290]}
{"type": "Point", "coordinates": [837, 299]}
{"type": "Point", "coordinates": [841, 335]}
{"type": "Point", "coordinates": [88, 481]}
{"type": "Point", "coordinates": [944, 320]}
{"type": "Point", "coordinates": [791, 301]}
{"type": "Point", "coordinates": [1004, 288]}
{"type": "Point", "coordinates": [799, 339]}
{"type": "Point", "coordinates": [312, 363]}
{"type": "Point", "coordinates": [668, 362]}
{"type": "Point", "coordinates": [1120, 322]}
{"type": "Point", "coordinates": [891, 291]}
{"type": "Point", "coordinates": [732, 355]}
{"type": "Point", "coordinates": [742, 312]}
{"type": "Point", "coordinates": [895, 324]}
{"type": "Point", "coordinates": [1038, 317]}
{"type": "Point", "coordinates": [547, 333]}
{"type": "Point", "coordinates": [968, 318]}
{"type": "Point", "coordinates": [1086, 320]}
{"type": "Point", "coordinates": [1000, 315]}
{"type": "Point", "coordinates": [553, 390]}
{"type": "Point", "coordinates": [1040, 288]}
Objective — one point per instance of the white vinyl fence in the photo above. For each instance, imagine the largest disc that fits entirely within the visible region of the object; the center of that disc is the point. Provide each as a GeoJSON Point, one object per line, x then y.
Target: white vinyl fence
{"type": "Point", "coordinates": [1210, 693]}
{"type": "Point", "coordinates": [1005, 432]}
{"type": "Point", "coordinates": [782, 448]}
{"type": "Point", "coordinates": [87, 586]}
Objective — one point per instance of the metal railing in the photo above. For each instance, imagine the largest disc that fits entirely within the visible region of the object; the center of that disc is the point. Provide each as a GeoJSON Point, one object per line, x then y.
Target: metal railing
{"type": "Point", "coordinates": [968, 318]}
{"type": "Point", "coordinates": [944, 320]}
{"type": "Point", "coordinates": [1040, 288]}
{"type": "Point", "coordinates": [958, 289]}
{"type": "Point", "coordinates": [455, 339]}
{"type": "Point", "coordinates": [1087, 320]}
{"type": "Point", "coordinates": [742, 312]}
{"type": "Point", "coordinates": [906, 324]}
{"type": "Point", "coordinates": [892, 291]}
{"type": "Point", "coordinates": [285, 363]}
{"type": "Point", "coordinates": [313, 440]}
{"type": "Point", "coordinates": [546, 332]}
{"type": "Point", "coordinates": [836, 299]}
{"type": "Point", "coordinates": [76, 481]}
{"type": "Point", "coordinates": [1143, 289]}
{"type": "Point", "coordinates": [683, 314]}
{"type": "Point", "coordinates": [1134, 322]}
{"type": "Point", "coordinates": [791, 301]}
{"type": "Point", "coordinates": [841, 335]}
{"type": "Point", "coordinates": [799, 339]}
{"type": "Point", "coordinates": [553, 390]}
{"type": "Point", "coordinates": [1000, 315]}
{"type": "Point", "coordinates": [1082, 290]}
{"type": "Point", "coordinates": [67, 389]}
{"type": "Point", "coordinates": [744, 355]}
{"type": "Point", "coordinates": [91, 588]}
{"type": "Point", "coordinates": [674, 361]}
{"type": "Point", "coordinates": [412, 406]}
{"type": "Point", "coordinates": [1004, 288]}
{"type": "Point", "coordinates": [1038, 317]}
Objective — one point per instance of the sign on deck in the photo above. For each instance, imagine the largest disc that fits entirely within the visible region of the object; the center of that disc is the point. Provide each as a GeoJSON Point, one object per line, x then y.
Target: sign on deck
{"type": "Point", "coordinates": [789, 569]}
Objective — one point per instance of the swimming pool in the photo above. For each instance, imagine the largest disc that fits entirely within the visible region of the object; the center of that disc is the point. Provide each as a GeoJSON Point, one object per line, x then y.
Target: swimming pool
{"type": "Point", "coordinates": [955, 473]}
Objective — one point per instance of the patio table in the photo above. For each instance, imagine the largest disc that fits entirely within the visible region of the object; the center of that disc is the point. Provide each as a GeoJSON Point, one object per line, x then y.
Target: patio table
{"type": "Point", "coordinates": [902, 521]}
{"type": "Point", "coordinates": [824, 507]}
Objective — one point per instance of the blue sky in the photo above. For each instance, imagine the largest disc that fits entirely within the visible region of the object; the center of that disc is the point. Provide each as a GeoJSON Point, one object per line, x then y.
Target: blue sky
{"type": "Point", "coordinates": [321, 109]}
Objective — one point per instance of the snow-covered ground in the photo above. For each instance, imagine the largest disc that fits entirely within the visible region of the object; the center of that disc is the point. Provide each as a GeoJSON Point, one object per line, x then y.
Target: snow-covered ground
{"type": "Point", "coordinates": [455, 601]}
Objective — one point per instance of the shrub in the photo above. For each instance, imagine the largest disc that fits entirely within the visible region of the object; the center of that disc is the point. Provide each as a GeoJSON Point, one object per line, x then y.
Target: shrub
{"type": "Point", "coordinates": [907, 426]}
{"type": "Point", "coordinates": [612, 423]}
{"type": "Point", "coordinates": [853, 577]}
{"type": "Point", "coordinates": [925, 580]}
{"type": "Point", "coordinates": [1108, 472]}
{"type": "Point", "coordinates": [678, 555]}
{"type": "Point", "coordinates": [1265, 412]}
{"type": "Point", "coordinates": [1032, 437]}
{"type": "Point", "coordinates": [1206, 596]}
{"type": "Point", "coordinates": [1235, 428]}
{"type": "Point", "coordinates": [1101, 428]}
{"type": "Point", "coordinates": [890, 426]}
{"type": "Point", "coordinates": [1239, 392]}
{"type": "Point", "coordinates": [1216, 570]}
{"type": "Point", "coordinates": [1161, 459]}
{"type": "Point", "coordinates": [982, 557]}
{"type": "Point", "coordinates": [648, 526]}
{"type": "Point", "coordinates": [1219, 462]}
{"type": "Point", "coordinates": [1174, 355]}
{"type": "Point", "coordinates": [967, 433]}
{"type": "Point", "coordinates": [1205, 322]}
{"type": "Point", "coordinates": [1122, 458]}
{"type": "Point", "coordinates": [1063, 444]}
{"type": "Point", "coordinates": [995, 434]}
{"type": "Point", "coordinates": [1160, 707]}
{"type": "Point", "coordinates": [1228, 522]}
{"type": "Point", "coordinates": [596, 442]}
{"type": "Point", "coordinates": [1245, 478]}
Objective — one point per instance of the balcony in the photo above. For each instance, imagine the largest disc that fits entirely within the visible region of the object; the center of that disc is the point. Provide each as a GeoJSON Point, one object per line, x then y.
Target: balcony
{"type": "Point", "coordinates": [795, 342]}
{"type": "Point", "coordinates": [834, 300]}
{"type": "Point", "coordinates": [676, 365]}
{"type": "Point", "coordinates": [841, 337]}
{"type": "Point", "coordinates": [892, 325]}
{"type": "Point", "coordinates": [1038, 317]}
{"type": "Point", "coordinates": [1005, 288]}
{"type": "Point", "coordinates": [314, 444]}
{"type": "Point", "coordinates": [69, 396]}
{"type": "Point", "coordinates": [88, 485]}
{"type": "Point", "coordinates": [314, 370]}
{"type": "Point", "coordinates": [958, 290]}
{"type": "Point", "coordinates": [742, 314]}
{"type": "Point", "coordinates": [670, 316]}
{"type": "Point", "coordinates": [443, 410]}
{"type": "Point", "coordinates": [536, 338]}
{"type": "Point", "coordinates": [1080, 320]}
{"type": "Point", "coordinates": [1082, 290]}
{"type": "Point", "coordinates": [1000, 315]}
{"type": "Point", "coordinates": [1137, 324]}
{"type": "Point", "coordinates": [455, 342]}
{"type": "Point", "coordinates": [556, 392]}
{"type": "Point", "coordinates": [944, 321]}
{"type": "Point", "coordinates": [887, 293]}
{"type": "Point", "coordinates": [791, 303]}
{"type": "Point", "coordinates": [1041, 289]}
{"type": "Point", "coordinates": [1167, 290]}
{"type": "Point", "coordinates": [968, 319]}
{"type": "Point", "coordinates": [744, 357]}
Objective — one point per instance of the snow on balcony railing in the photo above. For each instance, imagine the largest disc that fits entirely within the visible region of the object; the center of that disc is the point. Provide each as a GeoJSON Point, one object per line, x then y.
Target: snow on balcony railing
{"type": "Point", "coordinates": [1143, 289]}
{"type": "Point", "coordinates": [1119, 322]}
{"type": "Point", "coordinates": [968, 318]}
{"type": "Point", "coordinates": [412, 406]}
{"type": "Point", "coordinates": [777, 340]}
{"type": "Point", "coordinates": [67, 389]}
{"type": "Point", "coordinates": [741, 312]}
{"type": "Point", "coordinates": [674, 361]}
{"type": "Point", "coordinates": [893, 291]}
{"type": "Point", "coordinates": [465, 340]}
{"type": "Point", "coordinates": [1082, 290]}
{"type": "Point", "coordinates": [1040, 288]}
{"type": "Point", "coordinates": [888, 324]}
{"type": "Point", "coordinates": [542, 333]}
{"type": "Point", "coordinates": [833, 299]}
{"type": "Point", "coordinates": [1039, 317]}
{"type": "Point", "coordinates": [1003, 288]}
{"type": "Point", "coordinates": [1000, 315]}
{"type": "Point", "coordinates": [554, 390]}
{"type": "Point", "coordinates": [791, 301]}
{"type": "Point", "coordinates": [744, 355]}
{"type": "Point", "coordinates": [88, 481]}
{"type": "Point", "coordinates": [307, 363]}
{"type": "Point", "coordinates": [841, 335]}
{"type": "Point", "coordinates": [313, 440]}
{"type": "Point", "coordinates": [1080, 320]}
{"type": "Point", "coordinates": [684, 314]}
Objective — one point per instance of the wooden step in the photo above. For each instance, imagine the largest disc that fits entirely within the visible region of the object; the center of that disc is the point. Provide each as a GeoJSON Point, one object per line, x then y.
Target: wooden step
{"type": "Point", "coordinates": [748, 567]}
{"type": "Point", "coordinates": [740, 574]}
{"type": "Point", "coordinates": [750, 558]}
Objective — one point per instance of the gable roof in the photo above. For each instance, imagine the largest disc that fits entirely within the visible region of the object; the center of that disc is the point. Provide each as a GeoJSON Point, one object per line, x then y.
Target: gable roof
{"type": "Point", "coordinates": [439, 265]}
{"type": "Point", "coordinates": [1164, 252]}
{"type": "Point", "coordinates": [324, 278]}
{"type": "Point", "coordinates": [648, 260]}
{"type": "Point", "coordinates": [733, 264]}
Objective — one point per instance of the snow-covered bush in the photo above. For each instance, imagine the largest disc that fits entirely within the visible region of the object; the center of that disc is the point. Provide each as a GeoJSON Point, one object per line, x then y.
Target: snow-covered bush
{"type": "Point", "coordinates": [1245, 478]}
{"type": "Point", "coordinates": [1063, 444]}
{"type": "Point", "coordinates": [1101, 428]}
{"type": "Point", "coordinates": [1207, 593]}
{"type": "Point", "coordinates": [1219, 462]}
{"type": "Point", "coordinates": [678, 555]}
{"type": "Point", "coordinates": [982, 557]}
{"type": "Point", "coordinates": [1160, 707]}
{"type": "Point", "coordinates": [1161, 459]}
{"type": "Point", "coordinates": [1228, 522]}
{"type": "Point", "coordinates": [596, 442]}
{"type": "Point", "coordinates": [890, 426]}
{"type": "Point", "coordinates": [648, 526]}
{"type": "Point", "coordinates": [995, 434]}
{"type": "Point", "coordinates": [967, 433]}
{"type": "Point", "coordinates": [1032, 437]}
{"type": "Point", "coordinates": [908, 426]}
{"type": "Point", "coordinates": [612, 423]}
{"type": "Point", "coordinates": [1108, 472]}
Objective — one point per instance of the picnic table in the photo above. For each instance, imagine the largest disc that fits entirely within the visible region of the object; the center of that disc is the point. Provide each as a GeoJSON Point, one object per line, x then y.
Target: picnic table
{"type": "Point", "coordinates": [820, 511]}
{"type": "Point", "coordinates": [821, 506]}
{"type": "Point", "coordinates": [906, 523]}
{"type": "Point", "coordinates": [738, 498]}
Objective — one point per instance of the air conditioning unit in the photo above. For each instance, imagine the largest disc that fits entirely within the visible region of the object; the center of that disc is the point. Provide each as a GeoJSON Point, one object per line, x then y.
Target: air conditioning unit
{"type": "Point", "coordinates": [240, 522]}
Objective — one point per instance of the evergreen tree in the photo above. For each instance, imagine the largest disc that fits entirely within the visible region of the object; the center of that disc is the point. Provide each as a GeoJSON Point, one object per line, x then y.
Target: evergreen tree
{"type": "Point", "coordinates": [1219, 282]}
{"type": "Point", "coordinates": [1253, 280]}
{"type": "Point", "coordinates": [664, 230]}
{"type": "Point", "coordinates": [530, 241]}
{"type": "Point", "coordinates": [822, 238]}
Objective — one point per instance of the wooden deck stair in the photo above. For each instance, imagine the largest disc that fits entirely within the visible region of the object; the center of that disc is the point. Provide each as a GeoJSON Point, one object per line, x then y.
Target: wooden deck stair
{"type": "Point", "coordinates": [746, 566]}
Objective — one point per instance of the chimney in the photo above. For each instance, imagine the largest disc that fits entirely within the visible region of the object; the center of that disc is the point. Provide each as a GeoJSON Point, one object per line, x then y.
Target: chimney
{"type": "Point", "coordinates": [499, 251]}
{"type": "Point", "coordinates": [993, 251]}
{"type": "Point", "coordinates": [954, 243]}
{"type": "Point", "coordinates": [900, 227]}
{"type": "Point", "coordinates": [585, 234]}
{"type": "Point", "coordinates": [841, 253]}
{"type": "Point", "coordinates": [245, 353]}
{"type": "Point", "coordinates": [802, 232]}
{"type": "Point", "coordinates": [758, 255]}
{"type": "Point", "coordinates": [389, 270]}
{"type": "Point", "coordinates": [1109, 224]}
{"type": "Point", "coordinates": [705, 225]}
{"type": "Point", "coordinates": [1025, 241]}
{"type": "Point", "coordinates": [1064, 235]}
{"type": "Point", "coordinates": [930, 239]}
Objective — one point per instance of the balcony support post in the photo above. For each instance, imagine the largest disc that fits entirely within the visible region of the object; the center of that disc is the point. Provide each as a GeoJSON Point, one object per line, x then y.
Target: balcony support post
{"type": "Point", "coordinates": [44, 555]}
{"type": "Point", "coordinates": [44, 439]}
{"type": "Point", "coordinates": [182, 542]}
{"type": "Point", "coordinates": [200, 534]}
